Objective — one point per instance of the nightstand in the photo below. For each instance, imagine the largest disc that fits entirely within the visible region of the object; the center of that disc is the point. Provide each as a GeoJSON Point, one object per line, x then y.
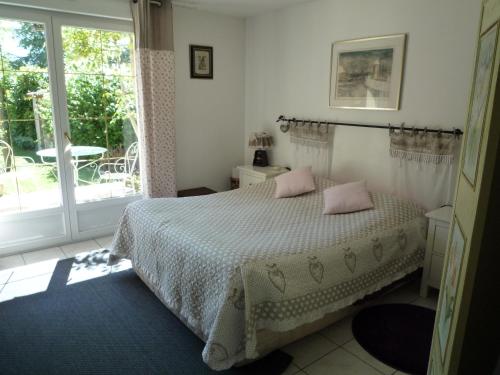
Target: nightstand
{"type": "Point", "coordinates": [437, 237]}
{"type": "Point", "coordinates": [250, 175]}
{"type": "Point", "coordinates": [195, 192]}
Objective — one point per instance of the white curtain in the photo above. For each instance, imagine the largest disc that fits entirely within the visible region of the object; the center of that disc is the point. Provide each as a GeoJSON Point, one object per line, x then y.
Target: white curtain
{"type": "Point", "coordinates": [312, 146]}
{"type": "Point", "coordinates": [423, 167]}
{"type": "Point", "coordinates": [156, 96]}
{"type": "Point", "coordinates": [430, 185]}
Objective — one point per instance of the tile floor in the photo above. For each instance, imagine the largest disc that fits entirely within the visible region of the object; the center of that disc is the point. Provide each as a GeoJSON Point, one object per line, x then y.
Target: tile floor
{"type": "Point", "coordinates": [334, 350]}
{"type": "Point", "coordinates": [330, 351]}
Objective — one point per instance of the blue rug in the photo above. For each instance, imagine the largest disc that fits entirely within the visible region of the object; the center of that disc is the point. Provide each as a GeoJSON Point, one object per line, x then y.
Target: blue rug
{"type": "Point", "coordinates": [109, 325]}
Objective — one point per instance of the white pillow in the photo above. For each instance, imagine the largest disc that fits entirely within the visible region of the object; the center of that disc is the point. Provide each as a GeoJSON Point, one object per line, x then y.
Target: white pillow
{"type": "Point", "coordinates": [293, 183]}
{"type": "Point", "coordinates": [346, 198]}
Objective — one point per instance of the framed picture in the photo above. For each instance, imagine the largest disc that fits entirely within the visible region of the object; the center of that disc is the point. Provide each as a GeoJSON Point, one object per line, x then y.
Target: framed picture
{"type": "Point", "coordinates": [450, 286]}
{"type": "Point", "coordinates": [479, 103]}
{"type": "Point", "coordinates": [201, 61]}
{"type": "Point", "coordinates": [367, 73]}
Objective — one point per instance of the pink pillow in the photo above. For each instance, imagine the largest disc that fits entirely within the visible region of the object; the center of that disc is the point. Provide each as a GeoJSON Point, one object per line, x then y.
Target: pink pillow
{"type": "Point", "coordinates": [346, 198]}
{"type": "Point", "coordinates": [298, 181]}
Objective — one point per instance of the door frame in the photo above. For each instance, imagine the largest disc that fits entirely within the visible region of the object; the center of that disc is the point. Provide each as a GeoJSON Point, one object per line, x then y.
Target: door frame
{"type": "Point", "coordinates": [69, 214]}
{"type": "Point", "coordinates": [78, 230]}
{"type": "Point", "coordinates": [39, 16]}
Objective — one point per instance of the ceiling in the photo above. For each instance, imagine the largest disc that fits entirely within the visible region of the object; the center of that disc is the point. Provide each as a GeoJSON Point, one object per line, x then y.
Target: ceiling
{"type": "Point", "coordinates": [239, 8]}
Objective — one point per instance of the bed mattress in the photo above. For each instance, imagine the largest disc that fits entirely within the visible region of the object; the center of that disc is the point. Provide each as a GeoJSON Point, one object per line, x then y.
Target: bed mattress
{"type": "Point", "coordinates": [233, 263]}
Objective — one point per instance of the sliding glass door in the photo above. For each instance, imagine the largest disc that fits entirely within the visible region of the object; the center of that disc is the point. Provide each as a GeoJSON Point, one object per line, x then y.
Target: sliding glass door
{"type": "Point", "coordinates": [69, 160]}
{"type": "Point", "coordinates": [100, 98]}
{"type": "Point", "coordinates": [26, 120]}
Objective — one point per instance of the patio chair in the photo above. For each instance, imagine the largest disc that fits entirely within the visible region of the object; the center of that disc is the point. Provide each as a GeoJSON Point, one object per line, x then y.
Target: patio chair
{"type": "Point", "coordinates": [6, 157]}
{"type": "Point", "coordinates": [122, 169]}
{"type": "Point", "coordinates": [8, 161]}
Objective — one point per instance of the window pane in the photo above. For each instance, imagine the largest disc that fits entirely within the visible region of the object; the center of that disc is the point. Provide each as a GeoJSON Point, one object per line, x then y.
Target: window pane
{"type": "Point", "coordinates": [82, 50]}
{"type": "Point", "coordinates": [28, 180]}
{"type": "Point", "coordinates": [22, 46]}
{"type": "Point", "coordinates": [27, 93]}
{"type": "Point", "coordinates": [100, 86]}
{"type": "Point", "coordinates": [118, 54]}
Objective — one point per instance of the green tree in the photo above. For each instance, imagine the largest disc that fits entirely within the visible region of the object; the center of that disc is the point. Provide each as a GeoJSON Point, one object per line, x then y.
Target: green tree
{"type": "Point", "coordinates": [31, 37]}
{"type": "Point", "coordinates": [99, 84]}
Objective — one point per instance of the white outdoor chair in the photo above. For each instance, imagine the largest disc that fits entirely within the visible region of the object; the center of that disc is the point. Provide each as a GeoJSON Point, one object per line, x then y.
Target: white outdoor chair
{"type": "Point", "coordinates": [6, 157]}
{"type": "Point", "coordinates": [122, 169]}
{"type": "Point", "coordinates": [8, 160]}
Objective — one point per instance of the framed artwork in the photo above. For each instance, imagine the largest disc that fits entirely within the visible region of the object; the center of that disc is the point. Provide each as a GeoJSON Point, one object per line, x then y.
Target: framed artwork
{"type": "Point", "coordinates": [201, 62]}
{"type": "Point", "coordinates": [479, 103]}
{"type": "Point", "coordinates": [450, 286]}
{"type": "Point", "coordinates": [367, 73]}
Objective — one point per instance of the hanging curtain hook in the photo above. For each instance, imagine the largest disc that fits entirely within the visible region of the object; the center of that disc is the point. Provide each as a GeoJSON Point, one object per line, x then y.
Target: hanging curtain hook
{"type": "Point", "coordinates": [284, 127]}
{"type": "Point", "coordinates": [321, 123]}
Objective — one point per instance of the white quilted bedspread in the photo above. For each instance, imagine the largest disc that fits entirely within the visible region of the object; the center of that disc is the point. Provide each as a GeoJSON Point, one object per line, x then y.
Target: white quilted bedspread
{"type": "Point", "coordinates": [232, 263]}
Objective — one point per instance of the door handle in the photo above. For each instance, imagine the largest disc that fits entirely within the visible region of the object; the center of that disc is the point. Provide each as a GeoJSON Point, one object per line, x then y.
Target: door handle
{"type": "Point", "coordinates": [68, 137]}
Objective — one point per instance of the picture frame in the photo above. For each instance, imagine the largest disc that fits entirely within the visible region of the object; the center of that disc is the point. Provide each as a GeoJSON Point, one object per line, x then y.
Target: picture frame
{"type": "Point", "coordinates": [449, 287]}
{"type": "Point", "coordinates": [201, 62]}
{"type": "Point", "coordinates": [367, 73]}
{"type": "Point", "coordinates": [479, 103]}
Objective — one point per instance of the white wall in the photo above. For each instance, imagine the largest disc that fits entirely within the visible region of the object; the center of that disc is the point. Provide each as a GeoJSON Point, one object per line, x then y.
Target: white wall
{"type": "Point", "coordinates": [288, 70]}
{"type": "Point", "coordinates": [209, 113]}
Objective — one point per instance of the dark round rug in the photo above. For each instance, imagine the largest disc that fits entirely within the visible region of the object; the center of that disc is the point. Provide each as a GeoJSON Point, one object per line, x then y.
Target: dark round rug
{"type": "Point", "coordinates": [399, 335]}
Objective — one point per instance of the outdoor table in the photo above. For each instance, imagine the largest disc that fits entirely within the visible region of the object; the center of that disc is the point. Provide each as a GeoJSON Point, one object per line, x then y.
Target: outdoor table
{"type": "Point", "coordinates": [76, 153]}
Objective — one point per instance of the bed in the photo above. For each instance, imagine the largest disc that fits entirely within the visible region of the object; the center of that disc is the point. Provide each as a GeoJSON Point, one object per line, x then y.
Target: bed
{"type": "Point", "coordinates": [238, 264]}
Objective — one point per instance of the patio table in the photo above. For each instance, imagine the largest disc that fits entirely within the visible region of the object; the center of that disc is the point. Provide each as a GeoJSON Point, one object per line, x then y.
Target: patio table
{"type": "Point", "coordinates": [76, 153]}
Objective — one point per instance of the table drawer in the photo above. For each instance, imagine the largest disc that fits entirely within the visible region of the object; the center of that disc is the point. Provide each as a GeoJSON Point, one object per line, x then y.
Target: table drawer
{"type": "Point", "coordinates": [436, 270]}
{"type": "Point", "coordinates": [247, 180]}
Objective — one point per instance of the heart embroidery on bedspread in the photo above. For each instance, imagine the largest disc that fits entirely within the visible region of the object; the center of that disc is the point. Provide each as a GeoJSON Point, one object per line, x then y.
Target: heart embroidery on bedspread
{"type": "Point", "coordinates": [378, 249]}
{"type": "Point", "coordinates": [218, 352]}
{"type": "Point", "coordinates": [316, 269]}
{"type": "Point", "coordinates": [238, 299]}
{"type": "Point", "coordinates": [350, 259]}
{"type": "Point", "coordinates": [402, 239]}
{"type": "Point", "coordinates": [276, 277]}
{"type": "Point", "coordinates": [242, 345]}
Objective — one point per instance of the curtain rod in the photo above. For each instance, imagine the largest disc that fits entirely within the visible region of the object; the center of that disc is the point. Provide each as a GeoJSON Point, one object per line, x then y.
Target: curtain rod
{"type": "Point", "coordinates": [288, 121]}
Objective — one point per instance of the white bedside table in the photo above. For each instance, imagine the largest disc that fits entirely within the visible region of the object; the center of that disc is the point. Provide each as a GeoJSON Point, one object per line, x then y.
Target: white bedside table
{"type": "Point", "coordinates": [437, 237]}
{"type": "Point", "coordinates": [250, 175]}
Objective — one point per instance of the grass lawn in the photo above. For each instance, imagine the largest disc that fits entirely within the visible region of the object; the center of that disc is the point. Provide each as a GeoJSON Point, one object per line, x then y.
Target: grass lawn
{"type": "Point", "coordinates": [31, 177]}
